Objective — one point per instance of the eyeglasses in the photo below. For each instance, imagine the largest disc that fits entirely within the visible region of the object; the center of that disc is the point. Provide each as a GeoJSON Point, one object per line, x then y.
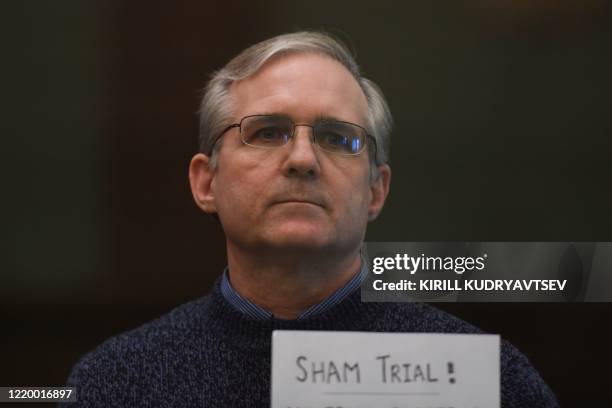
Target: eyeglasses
{"type": "Point", "coordinates": [273, 131]}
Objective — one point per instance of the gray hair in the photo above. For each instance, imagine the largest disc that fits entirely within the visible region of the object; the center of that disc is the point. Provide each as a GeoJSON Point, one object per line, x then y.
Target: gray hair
{"type": "Point", "coordinates": [215, 107]}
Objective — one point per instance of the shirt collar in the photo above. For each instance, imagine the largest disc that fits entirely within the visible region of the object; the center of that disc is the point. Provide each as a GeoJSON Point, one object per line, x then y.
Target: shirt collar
{"type": "Point", "coordinates": [256, 312]}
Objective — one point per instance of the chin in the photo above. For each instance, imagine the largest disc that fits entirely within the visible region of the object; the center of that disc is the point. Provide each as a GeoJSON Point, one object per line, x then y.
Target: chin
{"type": "Point", "coordinates": [300, 236]}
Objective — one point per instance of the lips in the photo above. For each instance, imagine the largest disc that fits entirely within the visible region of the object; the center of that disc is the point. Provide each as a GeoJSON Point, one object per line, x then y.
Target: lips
{"type": "Point", "coordinates": [299, 201]}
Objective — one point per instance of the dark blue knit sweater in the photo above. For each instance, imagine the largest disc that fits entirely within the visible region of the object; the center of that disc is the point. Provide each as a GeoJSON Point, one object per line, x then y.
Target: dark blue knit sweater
{"type": "Point", "coordinates": [207, 354]}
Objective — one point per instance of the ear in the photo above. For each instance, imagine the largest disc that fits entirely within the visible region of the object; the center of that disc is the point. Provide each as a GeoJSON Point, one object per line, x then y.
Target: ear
{"type": "Point", "coordinates": [379, 189]}
{"type": "Point", "coordinates": [201, 176]}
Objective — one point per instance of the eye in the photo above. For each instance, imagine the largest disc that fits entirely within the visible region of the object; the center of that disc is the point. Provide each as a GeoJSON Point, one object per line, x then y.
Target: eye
{"type": "Point", "coordinates": [338, 141]}
{"type": "Point", "coordinates": [268, 136]}
{"type": "Point", "coordinates": [335, 139]}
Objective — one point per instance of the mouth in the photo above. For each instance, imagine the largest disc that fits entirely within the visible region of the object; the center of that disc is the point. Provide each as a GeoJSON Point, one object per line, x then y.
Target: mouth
{"type": "Point", "coordinates": [298, 201]}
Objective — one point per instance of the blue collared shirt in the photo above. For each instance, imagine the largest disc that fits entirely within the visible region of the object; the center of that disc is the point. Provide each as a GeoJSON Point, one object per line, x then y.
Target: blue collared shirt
{"type": "Point", "coordinates": [256, 312]}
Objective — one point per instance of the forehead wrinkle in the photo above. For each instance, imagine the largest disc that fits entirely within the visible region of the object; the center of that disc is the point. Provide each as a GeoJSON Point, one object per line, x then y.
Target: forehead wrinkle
{"type": "Point", "coordinates": [281, 86]}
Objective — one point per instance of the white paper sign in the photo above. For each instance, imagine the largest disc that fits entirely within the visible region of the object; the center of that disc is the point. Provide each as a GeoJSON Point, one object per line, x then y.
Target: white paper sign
{"type": "Point", "coordinates": [322, 369]}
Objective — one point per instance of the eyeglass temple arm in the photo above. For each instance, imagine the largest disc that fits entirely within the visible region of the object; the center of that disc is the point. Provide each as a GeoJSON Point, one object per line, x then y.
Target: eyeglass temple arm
{"type": "Point", "coordinates": [212, 146]}
{"type": "Point", "coordinates": [373, 139]}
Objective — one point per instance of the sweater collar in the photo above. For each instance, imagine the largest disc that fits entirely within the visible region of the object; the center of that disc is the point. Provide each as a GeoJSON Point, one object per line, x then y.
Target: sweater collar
{"type": "Point", "coordinates": [223, 320]}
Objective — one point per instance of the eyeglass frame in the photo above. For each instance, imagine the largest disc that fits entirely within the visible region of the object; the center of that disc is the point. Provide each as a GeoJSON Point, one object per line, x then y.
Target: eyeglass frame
{"type": "Point", "coordinates": [239, 125]}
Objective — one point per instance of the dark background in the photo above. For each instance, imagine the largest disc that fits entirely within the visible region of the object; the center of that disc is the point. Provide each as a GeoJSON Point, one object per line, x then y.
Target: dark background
{"type": "Point", "coordinates": [502, 133]}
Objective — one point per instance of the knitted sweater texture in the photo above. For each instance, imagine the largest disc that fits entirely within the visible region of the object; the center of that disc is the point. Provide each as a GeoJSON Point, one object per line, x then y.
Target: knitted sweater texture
{"type": "Point", "coordinates": [207, 354]}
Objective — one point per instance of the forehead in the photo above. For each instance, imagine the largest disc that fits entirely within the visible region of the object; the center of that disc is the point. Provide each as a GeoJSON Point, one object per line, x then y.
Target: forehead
{"type": "Point", "coordinates": [302, 86]}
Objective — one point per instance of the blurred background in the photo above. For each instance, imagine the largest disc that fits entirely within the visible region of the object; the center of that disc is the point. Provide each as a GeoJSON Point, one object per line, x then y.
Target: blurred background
{"type": "Point", "coordinates": [502, 134]}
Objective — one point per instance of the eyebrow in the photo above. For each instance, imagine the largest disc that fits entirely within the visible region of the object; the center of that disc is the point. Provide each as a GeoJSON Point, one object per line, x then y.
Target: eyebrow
{"type": "Point", "coordinates": [273, 114]}
{"type": "Point", "coordinates": [325, 118]}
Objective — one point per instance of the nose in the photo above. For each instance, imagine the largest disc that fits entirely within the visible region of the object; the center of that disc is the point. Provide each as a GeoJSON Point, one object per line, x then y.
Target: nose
{"type": "Point", "coordinates": [302, 160]}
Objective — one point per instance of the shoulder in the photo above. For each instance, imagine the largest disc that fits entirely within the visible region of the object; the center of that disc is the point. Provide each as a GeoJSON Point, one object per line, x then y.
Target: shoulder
{"type": "Point", "coordinates": [137, 357]}
{"type": "Point", "coordinates": [521, 384]}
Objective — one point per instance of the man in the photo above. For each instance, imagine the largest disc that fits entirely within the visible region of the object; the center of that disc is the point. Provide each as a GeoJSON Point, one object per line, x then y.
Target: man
{"type": "Point", "coordinates": [293, 162]}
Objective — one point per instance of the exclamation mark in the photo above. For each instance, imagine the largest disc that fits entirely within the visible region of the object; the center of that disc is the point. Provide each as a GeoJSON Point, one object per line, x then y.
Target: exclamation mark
{"type": "Point", "coordinates": [451, 371]}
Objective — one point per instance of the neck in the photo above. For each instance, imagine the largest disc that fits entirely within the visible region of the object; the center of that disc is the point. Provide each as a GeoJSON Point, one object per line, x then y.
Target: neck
{"type": "Point", "coordinates": [288, 284]}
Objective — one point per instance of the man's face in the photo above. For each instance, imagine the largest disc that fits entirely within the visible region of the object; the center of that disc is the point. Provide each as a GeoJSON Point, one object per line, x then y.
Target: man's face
{"type": "Point", "coordinates": [298, 196]}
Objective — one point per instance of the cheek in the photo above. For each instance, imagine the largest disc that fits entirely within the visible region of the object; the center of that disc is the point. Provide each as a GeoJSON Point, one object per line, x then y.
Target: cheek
{"type": "Point", "coordinates": [356, 195]}
{"type": "Point", "coordinates": [360, 204]}
{"type": "Point", "coordinates": [233, 196]}
{"type": "Point", "coordinates": [238, 188]}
